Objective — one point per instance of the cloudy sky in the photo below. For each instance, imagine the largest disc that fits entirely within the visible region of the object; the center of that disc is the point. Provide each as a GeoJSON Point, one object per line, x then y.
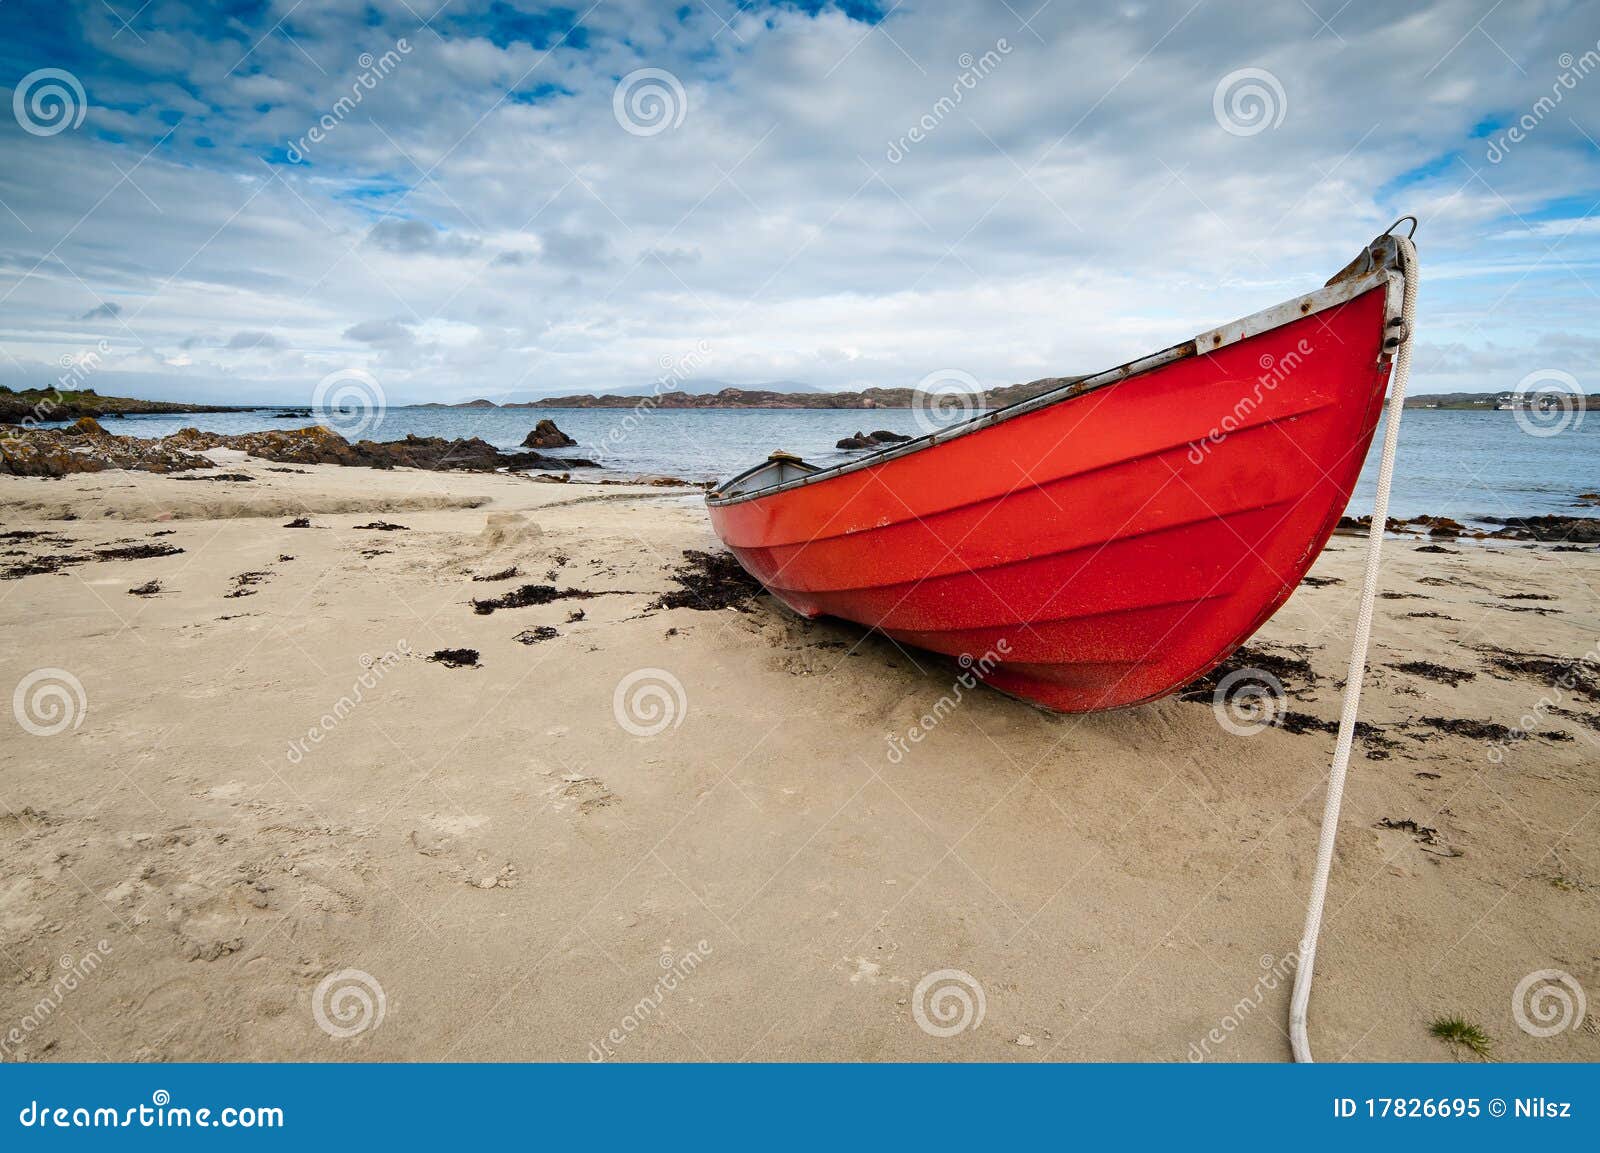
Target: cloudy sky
{"type": "Point", "coordinates": [502, 199]}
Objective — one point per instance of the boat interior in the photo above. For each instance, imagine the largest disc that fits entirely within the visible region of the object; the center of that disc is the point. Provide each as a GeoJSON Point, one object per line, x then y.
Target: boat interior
{"type": "Point", "coordinates": [779, 468]}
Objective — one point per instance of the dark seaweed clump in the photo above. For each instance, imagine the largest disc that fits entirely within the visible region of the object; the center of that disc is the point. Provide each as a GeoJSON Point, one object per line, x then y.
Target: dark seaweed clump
{"type": "Point", "coordinates": [1441, 673]}
{"type": "Point", "coordinates": [137, 552]}
{"type": "Point", "coordinates": [527, 596]}
{"type": "Point", "coordinates": [1467, 727]}
{"type": "Point", "coordinates": [40, 565]}
{"type": "Point", "coordinates": [709, 581]}
{"type": "Point", "coordinates": [1293, 672]}
{"type": "Point", "coordinates": [1580, 677]}
{"type": "Point", "coordinates": [1376, 743]}
{"type": "Point", "coordinates": [1424, 833]}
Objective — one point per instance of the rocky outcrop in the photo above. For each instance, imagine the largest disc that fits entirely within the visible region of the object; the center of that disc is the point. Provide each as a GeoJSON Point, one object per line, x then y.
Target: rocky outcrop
{"type": "Point", "coordinates": [545, 434]}
{"type": "Point", "coordinates": [313, 444]}
{"type": "Point", "coordinates": [86, 447]}
{"type": "Point", "coordinates": [870, 440]}
{"type": "Point", "coordinates": [1549, 529]}
{"type": "Point", "coordinates": [318, 445]}
{"type": "Point", "coordinates": [1574, 530]}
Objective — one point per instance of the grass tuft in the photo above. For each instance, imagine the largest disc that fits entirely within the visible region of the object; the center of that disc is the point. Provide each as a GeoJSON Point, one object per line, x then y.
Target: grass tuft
{"type": "Point", "coordinates": [1457, 1030]}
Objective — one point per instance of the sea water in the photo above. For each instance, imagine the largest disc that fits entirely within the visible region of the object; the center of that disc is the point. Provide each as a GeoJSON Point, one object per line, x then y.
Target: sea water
{"type": "Point", "coordinates": [1460, 464]}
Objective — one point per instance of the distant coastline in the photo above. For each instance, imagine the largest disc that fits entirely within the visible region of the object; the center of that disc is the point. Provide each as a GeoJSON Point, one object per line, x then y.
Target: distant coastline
{"type": "Point", "coordinates": [40, 405]}
{"type": "Point", "coordinates": [47, 404]}
{"type": "Point", "coordinates": [869, 398]}
{"type": "Point", "coordinates": [1500, 401]}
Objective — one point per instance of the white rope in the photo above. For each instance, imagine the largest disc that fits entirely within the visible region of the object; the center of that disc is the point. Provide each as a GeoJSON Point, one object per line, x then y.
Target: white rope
{"type": "Point", "coordinates": [1358, 663]}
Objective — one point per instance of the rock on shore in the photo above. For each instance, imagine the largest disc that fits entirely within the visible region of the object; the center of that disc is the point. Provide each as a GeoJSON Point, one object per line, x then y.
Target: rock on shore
{"type": "Point", "coordinates": [86, 447]}
{"type": "Point", "coordinates": [545, 434]}
{"type": "Point", "coordinates": [871, 439]}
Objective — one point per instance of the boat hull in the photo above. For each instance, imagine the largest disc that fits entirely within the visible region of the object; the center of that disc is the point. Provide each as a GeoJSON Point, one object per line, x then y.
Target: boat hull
{"type": "Point", "coordinates": [1102, 549]}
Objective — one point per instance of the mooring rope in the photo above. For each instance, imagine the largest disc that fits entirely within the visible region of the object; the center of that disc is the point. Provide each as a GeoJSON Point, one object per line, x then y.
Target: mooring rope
{"type": "Point", "coordinates": [1298, 1040]}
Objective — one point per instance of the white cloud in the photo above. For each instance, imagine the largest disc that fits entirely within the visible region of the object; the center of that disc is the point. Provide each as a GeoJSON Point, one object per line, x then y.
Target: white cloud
{"type": "Point", "coordinates": [1079, 204]}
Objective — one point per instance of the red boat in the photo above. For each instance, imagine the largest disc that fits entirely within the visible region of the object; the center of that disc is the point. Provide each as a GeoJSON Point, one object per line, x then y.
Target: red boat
{"type": "Point", "coordinates": [1107, 542]}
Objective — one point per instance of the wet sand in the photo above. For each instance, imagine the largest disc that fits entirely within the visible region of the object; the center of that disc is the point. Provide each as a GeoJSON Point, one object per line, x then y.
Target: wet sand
{"type": "Point", "coordinates": [273, 828]}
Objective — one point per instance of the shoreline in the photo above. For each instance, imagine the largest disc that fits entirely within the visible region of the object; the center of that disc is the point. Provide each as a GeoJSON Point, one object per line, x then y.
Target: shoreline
{"type": "Point", "coordinates": [86, 445]}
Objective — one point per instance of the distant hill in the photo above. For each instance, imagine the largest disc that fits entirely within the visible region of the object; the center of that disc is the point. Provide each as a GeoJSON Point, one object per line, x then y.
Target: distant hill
{"type": "Point", "coordinates": [1481, 401]}
{"type": "Point", "coordinates": [766, 398]}
{"type": "Point", "coordinates": [691, 388]}
{"type": "Point", "coordinates": [633, 392]}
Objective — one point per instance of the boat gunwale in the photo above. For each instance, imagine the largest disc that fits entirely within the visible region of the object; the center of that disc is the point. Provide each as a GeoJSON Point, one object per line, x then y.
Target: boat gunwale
{"type": "Point", "coordinates": [1276, 316]}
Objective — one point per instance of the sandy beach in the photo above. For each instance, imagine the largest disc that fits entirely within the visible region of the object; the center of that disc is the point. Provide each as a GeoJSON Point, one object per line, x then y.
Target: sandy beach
{"type": "Point", "coordinates": [271, 828]}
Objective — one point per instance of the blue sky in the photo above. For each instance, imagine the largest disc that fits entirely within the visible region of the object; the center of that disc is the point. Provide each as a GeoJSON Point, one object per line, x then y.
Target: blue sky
{"type": "Point", "coordinates": [472, 199]}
